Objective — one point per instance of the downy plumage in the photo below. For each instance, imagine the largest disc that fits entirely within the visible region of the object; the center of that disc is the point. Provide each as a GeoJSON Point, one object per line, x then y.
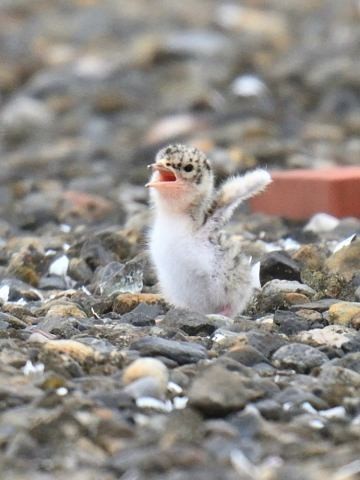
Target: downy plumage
{"type": "Point", "coordinates": [198, 266]}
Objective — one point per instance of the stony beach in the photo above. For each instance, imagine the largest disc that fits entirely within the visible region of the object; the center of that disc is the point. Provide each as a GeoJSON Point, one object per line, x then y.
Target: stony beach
{"type": "Point", "coordinates": [99, 377]}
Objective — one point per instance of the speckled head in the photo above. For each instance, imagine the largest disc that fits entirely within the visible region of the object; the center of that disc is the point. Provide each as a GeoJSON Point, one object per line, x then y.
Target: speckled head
{"type": "Point", "coordinates": [181, 162]}
{"type": "Point", "coordinates": [181, 172]}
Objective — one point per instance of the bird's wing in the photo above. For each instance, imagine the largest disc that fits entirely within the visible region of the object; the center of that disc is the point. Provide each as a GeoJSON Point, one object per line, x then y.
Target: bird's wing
{"type": "Point", "coordinates": [231, 193]}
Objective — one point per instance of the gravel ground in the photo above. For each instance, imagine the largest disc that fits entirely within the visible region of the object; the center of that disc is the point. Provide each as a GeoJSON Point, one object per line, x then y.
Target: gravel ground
{"type": "Point", "coordinates": [99, 377]}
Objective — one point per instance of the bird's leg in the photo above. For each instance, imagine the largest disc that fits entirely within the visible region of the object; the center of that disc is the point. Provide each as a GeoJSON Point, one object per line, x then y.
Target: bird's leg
{"type": "Point", "coordinates": [226, 311]}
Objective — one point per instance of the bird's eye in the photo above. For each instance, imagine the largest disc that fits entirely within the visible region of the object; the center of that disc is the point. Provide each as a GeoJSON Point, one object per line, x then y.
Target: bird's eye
{"type": "Point", "coordinates": [188, 168]}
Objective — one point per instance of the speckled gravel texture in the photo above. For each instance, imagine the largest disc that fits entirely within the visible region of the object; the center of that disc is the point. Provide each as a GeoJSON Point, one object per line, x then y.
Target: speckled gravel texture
{"type": "Point", "coordinates": [99, 377]}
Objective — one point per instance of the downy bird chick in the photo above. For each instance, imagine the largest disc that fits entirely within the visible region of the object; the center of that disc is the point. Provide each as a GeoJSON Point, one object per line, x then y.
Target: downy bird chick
{"type": "Point", "coordinates": [198, 266]}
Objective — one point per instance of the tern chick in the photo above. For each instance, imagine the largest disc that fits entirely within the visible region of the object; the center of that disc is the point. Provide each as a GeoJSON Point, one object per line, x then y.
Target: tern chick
{"type": "Point", "coordinates": [198, 266]}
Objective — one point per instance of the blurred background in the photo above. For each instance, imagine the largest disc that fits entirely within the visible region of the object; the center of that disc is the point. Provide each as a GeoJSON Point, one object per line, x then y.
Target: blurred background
{"type": "Point", "coordinates": [90, 89]}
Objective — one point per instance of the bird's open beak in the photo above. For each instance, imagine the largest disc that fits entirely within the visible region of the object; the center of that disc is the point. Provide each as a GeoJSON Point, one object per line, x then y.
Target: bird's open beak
{"type": "Point", "coordinates": [162, 176]}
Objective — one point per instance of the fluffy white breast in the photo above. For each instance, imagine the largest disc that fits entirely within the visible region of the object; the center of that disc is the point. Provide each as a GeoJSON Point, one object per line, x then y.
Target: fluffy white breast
{"type": "Point", "coordinates": [184, 260]}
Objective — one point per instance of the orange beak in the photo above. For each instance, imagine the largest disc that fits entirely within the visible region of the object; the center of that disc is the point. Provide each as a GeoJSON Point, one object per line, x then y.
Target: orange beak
{"type": "Point", "coordinates": [162, 177]}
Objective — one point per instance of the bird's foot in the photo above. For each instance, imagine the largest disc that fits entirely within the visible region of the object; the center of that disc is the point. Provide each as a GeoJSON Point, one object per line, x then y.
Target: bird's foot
{"type": "Point", "coordinates": [226, 311]}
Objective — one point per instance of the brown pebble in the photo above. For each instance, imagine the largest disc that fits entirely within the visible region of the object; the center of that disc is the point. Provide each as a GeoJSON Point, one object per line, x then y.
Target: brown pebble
{"type": "Point", "coordinates": [294, 298]}
{"type": "Point", "coordinates": [146, 367]}
{"type": "Point", "coordinates": [345, 313]}
{"type": "Point", "coordinates": [77, 350]}
{"type": "Point", "coordinates": [126, 302]}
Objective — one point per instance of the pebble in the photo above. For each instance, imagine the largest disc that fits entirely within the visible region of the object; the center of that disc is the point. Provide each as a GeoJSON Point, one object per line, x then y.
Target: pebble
{"type": "Point", "coordinates": [146, 367]}
{"type": "Point", "coordinates": [66, 309]}
{"type": "Point", "coordinates": [290, 323]}
{"type": "Point", "coordinates": [59, 267]}
{"type": "Point", "coordinates": [345, 313]}
{"type": "Point", "coordinates": [302, 358]}
{"type": "Point", "coordinates": [331, 335]}
{"type": "Point", "coordinates": [192, 323]}
{"type": "Point", "coordinates": [87, 97]}
{"type": "Point", "coordinates": [146, 377]}
{"type": "Point", "coordinates": [278, 265]}
{"type": "Point", "coordinates": [345, 261]}
{"type": "Point", "coordinates": [77, 350]}
{"type": "Point", "coordinates": [180, 352]}
{"type": "Point", "coordinates": [219, 391]}
{"type": "Point", "coordinates": [143, 315]}
{"type": "Point", "coordinates": [321, 222]}
{"type": "Point", "coordinates": [276, 287]}
{"type": "Point", "coordinates": [126, 302]}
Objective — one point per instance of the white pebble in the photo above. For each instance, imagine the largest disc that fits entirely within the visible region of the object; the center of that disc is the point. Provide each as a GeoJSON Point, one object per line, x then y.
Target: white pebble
{"type": "Point", "coordinates": [4, 293]}
{"type": "Point", "coordinates": [308, 407]}
{"type": "Point", "coordinates": [60, 266]}
{"type": "Point", "coordinates": [180, 402]}
{"type": "Point", "coordinates": [174, 388]}
{"type": "Point", "coordinates": [321, 222]}
{"type": "Point", "coordinates": [248, 86]}
{"type": "Point", "coordinates": [336, 412]}
{"type": "Point", "coordinates": [29, 368]}
{"type": "Point", "coordinates": [317, 424]}
{"type": "Point", "coordinates": [62, 391]}
{"type": "Point", "coordinates": [154, 404]}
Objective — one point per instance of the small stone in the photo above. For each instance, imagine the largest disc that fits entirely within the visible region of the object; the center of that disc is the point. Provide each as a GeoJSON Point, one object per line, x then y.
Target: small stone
{"type": "Point", "coordinates": [336, 383]}
{"type": "Point", "coordinates": [27, 265]}
{"type": "Point", "coordinates": [293, 298]}
{"type": "Point", "coordinates": [312, 316]}
{"type": "Point", "coordinates": [345, 313]}
{"type": "Point", "coordinates": [181, 352]}
{"type": "Point", "coordinates": [79, 270]}
{"type": "Point", "coordinates": [270, 409]}
{"type": "Point", "coordinates": [59, 267]}
{"type": "Point", "coordinates": [217, 391]}
{"type": "Point", "coordinates": [275, 287]}
{"type": "Point", "coordinates": [77, 350]}
{"type": "Point", "coordinates": [332, 335]}
{"type": "Point", "coordinates": [346, 261]}
{"type": "Point", "coordinates": [192, 323]}
{"type": "Point", "coordinates": [302, 358]}
{"type": "Point", "coordinates": [321, 222]}
{"type": "Point", "coordinates": [350, 361]}
{"type": "Point", "coordinates": [290, 323]}
{"type": "Point", "coordinates": [146, 367]}
{"type": "Point", "coordinates": [143, 315]}
{"type": "Point", "coordinates": [266, 343]}
{"type": "Point", "coordinates": [310, 256]}
{"type": "Point", "coordinates": [52, 282]}
{"type": "Point", "coordinates": [320, 305]}
{"type": "Point", "coordinates": [146, 377]}
{"type": "Point", "coordinates": [246, 355]}
{"type": "Point", "coordinates": [278, 265]}
{"type": "Point", "coordinates": [126, 302]}
{"type": "Point", "coordinates": [12, 321]}
{"type": "Point", "coordinates": [116, 277]}
{"type": "Point", "coordinates": [274, 293]}
{"type": "Point", "coordinates": [65, 310]}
